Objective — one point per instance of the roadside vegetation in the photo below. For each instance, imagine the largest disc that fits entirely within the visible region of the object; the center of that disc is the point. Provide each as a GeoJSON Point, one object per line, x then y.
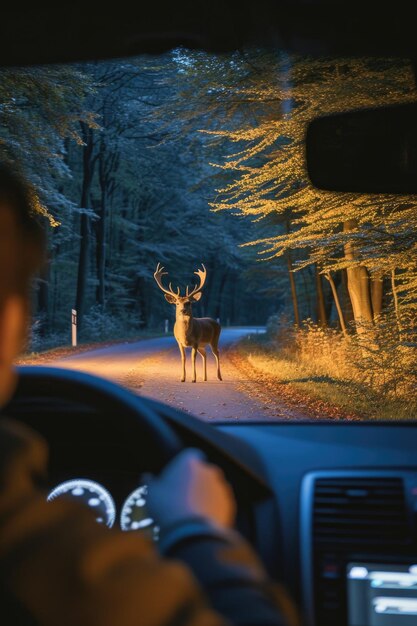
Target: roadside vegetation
{"type": "Point", "coordinates": [366, 376]}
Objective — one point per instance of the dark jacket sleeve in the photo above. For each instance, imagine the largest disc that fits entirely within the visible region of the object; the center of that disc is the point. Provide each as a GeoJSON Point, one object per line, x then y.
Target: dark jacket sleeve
{"type": "Point", "coordinates": [230, 573]}
{"type": "Point", "coordinates": [58, 566]}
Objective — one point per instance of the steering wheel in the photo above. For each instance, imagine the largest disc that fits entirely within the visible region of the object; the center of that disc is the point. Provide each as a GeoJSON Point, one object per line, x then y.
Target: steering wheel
{"type": "Point", "coordinates": [132, 415]}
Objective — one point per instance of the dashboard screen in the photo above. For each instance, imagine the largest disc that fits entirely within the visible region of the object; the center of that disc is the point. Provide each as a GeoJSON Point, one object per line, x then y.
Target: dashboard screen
{"type": "Point", "coordinates": [382, 595]}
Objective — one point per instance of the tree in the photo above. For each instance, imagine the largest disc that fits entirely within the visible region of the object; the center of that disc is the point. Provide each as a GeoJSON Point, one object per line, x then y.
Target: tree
{"type": "Point", "coordinates": [334, 231]}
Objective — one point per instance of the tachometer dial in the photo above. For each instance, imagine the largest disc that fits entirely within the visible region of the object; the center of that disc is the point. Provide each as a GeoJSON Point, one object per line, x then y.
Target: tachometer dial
{"type": "Point", "coordinates": [91, 494]}
{"type": "Point", "coordinates": [134, 515]}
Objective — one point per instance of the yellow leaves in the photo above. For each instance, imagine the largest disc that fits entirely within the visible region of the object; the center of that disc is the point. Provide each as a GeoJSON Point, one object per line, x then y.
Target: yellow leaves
{"type": "Point", "coordinates": [270, 170]}
{"type": "Point", "coordinates": [41, 209]}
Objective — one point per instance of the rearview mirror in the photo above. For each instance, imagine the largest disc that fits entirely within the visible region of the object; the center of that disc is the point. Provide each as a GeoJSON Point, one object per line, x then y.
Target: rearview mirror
{"type": "Point", "coordinates": [365, 151]}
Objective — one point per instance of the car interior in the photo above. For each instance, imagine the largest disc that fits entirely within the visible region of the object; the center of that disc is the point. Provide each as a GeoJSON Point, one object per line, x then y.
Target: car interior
{"type": "Point", "coordinates": [330, 506]}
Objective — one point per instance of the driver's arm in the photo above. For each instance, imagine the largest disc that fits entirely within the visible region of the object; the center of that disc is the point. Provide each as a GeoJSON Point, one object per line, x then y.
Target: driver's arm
{"type": "Point", "coordinates": [230, 574]}
{"type": "Point", "coordinates": [58, 566]}
{"type": "Point", "coordinates": [195, 508]}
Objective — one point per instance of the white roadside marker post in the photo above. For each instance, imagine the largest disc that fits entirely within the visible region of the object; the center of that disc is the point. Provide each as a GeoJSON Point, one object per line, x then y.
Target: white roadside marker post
{"type": "Point", "coordinates": [74, 327]}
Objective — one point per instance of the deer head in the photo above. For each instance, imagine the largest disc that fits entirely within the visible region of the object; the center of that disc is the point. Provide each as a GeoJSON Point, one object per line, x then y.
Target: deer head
{"type": "Point", "coordinates": [183, 303]}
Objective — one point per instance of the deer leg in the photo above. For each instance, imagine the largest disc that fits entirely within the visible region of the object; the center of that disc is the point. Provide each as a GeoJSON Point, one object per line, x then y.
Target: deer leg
{"type": "Point", "coordinates": [215, 351]}
{"type": "Point", "coordinates": [193, 356]}
{"type": "Point", "coordinates": [202, 351]}
{"type": "Point", "coordinates": [217, 357]}
{"type": "Point", "coordinates": [182, 362]}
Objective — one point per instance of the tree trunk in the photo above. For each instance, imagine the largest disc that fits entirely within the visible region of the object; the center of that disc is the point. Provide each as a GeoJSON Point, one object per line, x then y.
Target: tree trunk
{"type": "Point", "coordinates": [294, 297]}
{"type": "Point", "coordinates": [345, 299]}
{"type": "Point", "coordinates": [293, 290]}
{"type": "Point", "coordinates": [357, 282]}
{"type": "Point", "coordinates": [306, 278]}
{"type": "Point", "coordinates": [320, 304]}
{"type": "Point", "coordinates": [377, 293]}
{"type": "Point", "coordinates": [141, 297]}
{"type": "Point", "coordinates": [82, 268]}
{"type": "Point", "coordinates": [43, 299]}
{"type": "Point", "coordinates": [100, 229]}
{"type": "Point", "coordinates": [219, 301]}
{"type": "Point", "coordinates": [206, 304]}
{"type": "Point", "coordinates": [233, 294]}
{"type": "Point", "coordinates": [328, 299]}
{"type": "Point", "coordinates": [88, 172]}
{"type": "Point", "coordinates": [337, 303]}
{"type": "Point", "coordinates": [213, 299]}
{"type": "Point", "coordinates": [395, 298]}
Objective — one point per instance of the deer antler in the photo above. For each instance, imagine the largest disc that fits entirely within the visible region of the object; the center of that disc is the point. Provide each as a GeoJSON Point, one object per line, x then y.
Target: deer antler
{"type": "Point", "coordinates": [202, 274]}
{"type": "Point", "coordinates": [159, 272]}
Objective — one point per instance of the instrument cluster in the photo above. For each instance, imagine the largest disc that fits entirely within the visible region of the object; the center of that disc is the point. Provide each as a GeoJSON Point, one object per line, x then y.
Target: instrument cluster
{"type": "Point", "coordinates": [133, 514]}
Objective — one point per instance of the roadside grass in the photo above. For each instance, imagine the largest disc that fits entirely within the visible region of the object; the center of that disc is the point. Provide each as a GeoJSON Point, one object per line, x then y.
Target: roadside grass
{"type": "Point", "coordinates": [333, 395]}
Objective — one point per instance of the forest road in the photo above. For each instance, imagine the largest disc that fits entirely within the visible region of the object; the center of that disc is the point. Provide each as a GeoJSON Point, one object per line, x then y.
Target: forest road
{"type": "Point", "coordinates": [152, 368]}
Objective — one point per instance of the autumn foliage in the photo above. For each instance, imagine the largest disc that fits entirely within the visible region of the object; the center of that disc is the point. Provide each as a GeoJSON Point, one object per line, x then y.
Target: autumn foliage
{"type": "Point", "coordinates": [351, 258]}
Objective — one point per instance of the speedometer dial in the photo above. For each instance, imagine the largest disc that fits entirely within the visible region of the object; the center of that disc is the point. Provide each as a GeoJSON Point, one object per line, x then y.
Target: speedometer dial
{"type": "Point", "coordinates": [134, 515]}
{"type": "Point", "coordinates": [91, 494]}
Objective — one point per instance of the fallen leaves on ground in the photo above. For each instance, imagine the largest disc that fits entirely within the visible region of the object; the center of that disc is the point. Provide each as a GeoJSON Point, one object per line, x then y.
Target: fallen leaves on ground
{"type": "Point", "coordinates": [286, 393]}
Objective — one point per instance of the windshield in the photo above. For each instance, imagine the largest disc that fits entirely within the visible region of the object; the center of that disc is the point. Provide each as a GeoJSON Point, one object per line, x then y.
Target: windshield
{"type": "Point", "coordinates": [304, 300]}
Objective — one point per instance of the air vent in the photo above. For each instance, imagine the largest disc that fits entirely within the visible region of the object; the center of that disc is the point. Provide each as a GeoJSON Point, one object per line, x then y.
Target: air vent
{"type": "Point", "coordinates": [360, 510]}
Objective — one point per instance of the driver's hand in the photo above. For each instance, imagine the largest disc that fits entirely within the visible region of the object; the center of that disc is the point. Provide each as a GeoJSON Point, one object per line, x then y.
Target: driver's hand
{"type": "Point", "coordinates": [190, 487]}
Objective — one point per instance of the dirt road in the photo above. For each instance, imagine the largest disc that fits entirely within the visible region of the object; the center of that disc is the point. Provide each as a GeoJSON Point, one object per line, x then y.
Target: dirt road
{"type": "Point", "coordinates": [152, 368]}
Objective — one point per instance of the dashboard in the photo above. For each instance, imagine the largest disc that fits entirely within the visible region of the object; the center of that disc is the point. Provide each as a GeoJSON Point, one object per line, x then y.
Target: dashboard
{"type": "Point", "coordinates": [330, 507]}
{"type": "Point", "coordinates": [346, 495]}
{"type": "Point", "coordinates": [337, 523]}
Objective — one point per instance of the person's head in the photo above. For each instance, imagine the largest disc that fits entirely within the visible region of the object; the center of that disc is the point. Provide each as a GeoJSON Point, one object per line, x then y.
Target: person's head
{"type": "Point", "coordinates": [21, 252]}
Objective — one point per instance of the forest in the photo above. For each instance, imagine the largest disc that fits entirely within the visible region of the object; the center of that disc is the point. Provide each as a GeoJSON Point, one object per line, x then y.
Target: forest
{"type": "Point", "coordinates": [191, 157]}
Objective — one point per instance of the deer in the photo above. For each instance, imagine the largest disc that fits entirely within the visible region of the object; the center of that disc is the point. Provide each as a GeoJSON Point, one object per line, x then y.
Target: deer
{"type": "Point", "coordinates": [191, 332]}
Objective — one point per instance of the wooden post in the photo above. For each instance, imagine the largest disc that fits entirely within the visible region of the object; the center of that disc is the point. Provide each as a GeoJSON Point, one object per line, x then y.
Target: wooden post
{"type": "Point", "coordinates": [74, 327]}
